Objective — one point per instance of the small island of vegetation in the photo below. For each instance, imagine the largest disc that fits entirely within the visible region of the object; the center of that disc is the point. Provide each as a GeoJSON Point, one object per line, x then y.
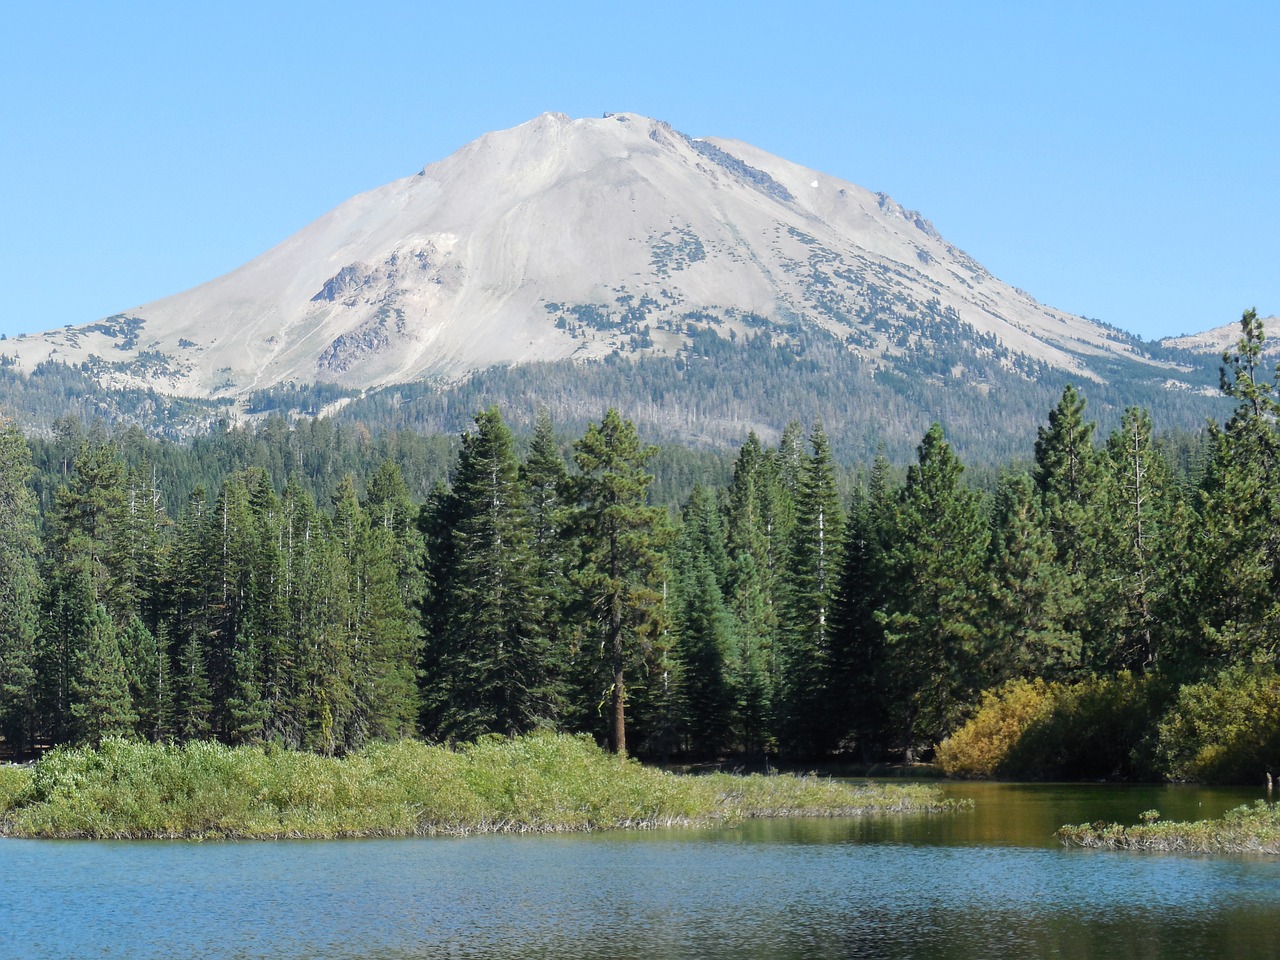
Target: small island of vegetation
{"type": "Point", "coordinates": [539, 783]}
{"type": "Point", "coordinates": [1246, 829]}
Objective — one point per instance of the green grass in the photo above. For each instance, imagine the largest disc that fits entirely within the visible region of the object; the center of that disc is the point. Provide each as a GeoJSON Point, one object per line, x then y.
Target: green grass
{"type": "Point", "coordinates": [538, 783]}
{"type": "Point", "coordinates": [1247, 829]}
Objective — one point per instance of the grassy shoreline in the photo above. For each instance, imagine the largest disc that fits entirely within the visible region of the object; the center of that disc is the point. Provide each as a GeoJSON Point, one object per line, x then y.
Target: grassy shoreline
{"type": "Point", "coordinates": [1246, 829]}
{"type": "Point", "coordinates": [539, 783]}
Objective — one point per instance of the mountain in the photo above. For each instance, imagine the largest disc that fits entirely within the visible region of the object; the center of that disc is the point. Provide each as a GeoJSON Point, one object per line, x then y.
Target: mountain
{"type": "Point", "coordinates": [1214, 342]}
{"type": "Point", "coordinates": [614, 239]}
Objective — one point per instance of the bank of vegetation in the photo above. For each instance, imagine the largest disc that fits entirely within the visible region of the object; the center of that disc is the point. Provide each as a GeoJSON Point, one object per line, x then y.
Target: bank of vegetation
{"type": "Point", "coordinates": [1247, 829]}
{"type": "Point", "coordinates": [1108, 609]}
{"type": "Point", "coordinates": [537, 783]}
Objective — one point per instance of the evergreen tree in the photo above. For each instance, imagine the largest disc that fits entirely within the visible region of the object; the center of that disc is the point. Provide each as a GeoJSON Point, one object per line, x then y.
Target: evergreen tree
{"type": "Point", "coordinates": [707, 643]}
{"type": "Point", "coordinates": [1072, 496]}
{"type": "Point", "coordinates": [1033, 598]}
{"type": "Point", "coordinates": [545, 479]}
{"type": "Point", "coordinates": [1143, 517]}
{"type": "Point", "coordinates": [192, 702]}
{"type": "Point", "coordinates": [20, 589]}
{"type": "Point", "coordinates": [382, 633]}
{"type": "Point", "coordinates": [100, 702]}
{"type": "Point", "coordinates": [1239, 573]}
{"type": "Point", "coordinates": [760, 519]}
{"type": "Point", "coordinates": [859, 671]}
{"type": "Point", "coordinates": [808, 711]}
{"type": "Point", "coordinates": [489, 662]}
{"type": "Point", "coordinates": [391, 509]}
{"type": "Point", "coordinates": [621, 572]}
{"type": "Point", "coordinates": [83, 559]}
{"type": "Point", "coordinates": [146, 674]}
{"type": "Point", "coordinates": [933, 618]}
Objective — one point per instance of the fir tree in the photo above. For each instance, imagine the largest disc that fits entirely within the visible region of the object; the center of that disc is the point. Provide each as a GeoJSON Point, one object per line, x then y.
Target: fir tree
{"type": "Point", "coordinates": [1033, 598]}
{"type": "Point", "coordinates": [489, 661]}
{"type": "Point", "coordinates": [707, 643]}
{"type": "Point", "coordinates": [100, 703]}
{"type": "Point", "coordinates": [933, 618]}
{"type": "Point", "coordinates": [813, 574]}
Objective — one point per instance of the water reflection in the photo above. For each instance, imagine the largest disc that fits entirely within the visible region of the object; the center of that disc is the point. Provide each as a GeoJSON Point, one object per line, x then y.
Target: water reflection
{"type": "Point", "coordinates": [982, 883]}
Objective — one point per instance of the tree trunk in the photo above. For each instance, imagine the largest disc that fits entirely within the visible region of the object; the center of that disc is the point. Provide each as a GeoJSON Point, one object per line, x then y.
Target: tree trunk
{"type": "Point", "coordinates": [619, 690]}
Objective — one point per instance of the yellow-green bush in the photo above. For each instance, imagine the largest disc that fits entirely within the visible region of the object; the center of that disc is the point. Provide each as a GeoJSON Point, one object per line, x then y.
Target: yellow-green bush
{"type": "Point", "coordinates": [1092, 729]}
{"type": "Point", "coordinates": [982, 746]}
{"type": "Point", "coordinates": [1224, 730]}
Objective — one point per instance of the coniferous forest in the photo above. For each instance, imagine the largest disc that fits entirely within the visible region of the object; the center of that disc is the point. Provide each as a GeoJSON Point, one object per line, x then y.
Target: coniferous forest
{"type": "Point", "coordinates": [1096, 612]}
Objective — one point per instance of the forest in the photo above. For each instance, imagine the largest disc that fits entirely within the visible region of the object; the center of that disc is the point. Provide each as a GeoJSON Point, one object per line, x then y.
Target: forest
{"type": "Point", "coordinates": [1096, 612]}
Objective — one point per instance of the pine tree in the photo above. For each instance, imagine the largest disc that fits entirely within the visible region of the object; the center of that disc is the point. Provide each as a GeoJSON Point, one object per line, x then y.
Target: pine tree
{"type": "Point", "coordinates": [1068, 477]}
{"type": "Point", "coordinates": [83, 567]}
{"type": "Point", "coordinates": [1143, 517]}
{"type": "Point", "coordinates": [758, 530]}
{"type": "Point", "coordinates": [391, 509]}
{"type": "Point", "coordinates": [146, 674]}
{"type": "Point", "coordinates": [545, 479]}
{"type": "Point", "coordinates": [621, 572]}
{"type": "Point", "coordinates": [859, 671]}
{"type": "Point", "coordinates": [1239, 549]}
{"type": "Point", "coordinates": [381, 633]}
{"type": "Point", "coordinates": [192, 702]}
{"type": "Point", "coordinates": [192, 579]}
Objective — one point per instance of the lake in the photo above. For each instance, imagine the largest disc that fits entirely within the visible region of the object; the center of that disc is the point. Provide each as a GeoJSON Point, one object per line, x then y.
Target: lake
{"type": "Point", "coordinates": [987, 882]}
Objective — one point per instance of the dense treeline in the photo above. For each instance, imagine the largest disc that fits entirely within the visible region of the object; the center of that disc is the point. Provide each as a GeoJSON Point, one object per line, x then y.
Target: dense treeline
{"type": "Point", "coordinates": [778, 611]}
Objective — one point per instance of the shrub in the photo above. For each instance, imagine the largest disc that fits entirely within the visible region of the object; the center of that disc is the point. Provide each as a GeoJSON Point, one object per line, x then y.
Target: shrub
{"type": "Point", "coordinates": [1224, 730]}
{"type": "Point", "coordinates": [1093, 729]}
{"type": "Point", "coordinates": [982, 746]}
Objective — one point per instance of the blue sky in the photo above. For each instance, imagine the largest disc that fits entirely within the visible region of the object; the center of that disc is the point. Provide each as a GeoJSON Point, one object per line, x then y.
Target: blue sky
{"type": "Point", "coordinates": [1115, 160]}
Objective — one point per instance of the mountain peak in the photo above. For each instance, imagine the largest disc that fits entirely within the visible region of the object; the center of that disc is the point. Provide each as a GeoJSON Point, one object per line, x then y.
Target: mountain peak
{"type": "Point", "coordinates": [579, 238]}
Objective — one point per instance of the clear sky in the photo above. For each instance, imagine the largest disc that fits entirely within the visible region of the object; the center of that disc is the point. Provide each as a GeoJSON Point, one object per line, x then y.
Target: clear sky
{"type": "Point", "coordinates": [1117, 160]}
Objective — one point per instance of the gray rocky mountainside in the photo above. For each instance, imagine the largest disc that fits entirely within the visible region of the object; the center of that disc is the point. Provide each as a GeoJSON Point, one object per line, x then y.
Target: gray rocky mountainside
{"type": "Point", "coordinates": [563, 241]}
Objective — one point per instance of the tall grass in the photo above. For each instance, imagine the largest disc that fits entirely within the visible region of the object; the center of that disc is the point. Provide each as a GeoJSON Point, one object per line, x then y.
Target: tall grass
{"type": "Point", "coordinates": [14, 784]}
{"type": "Point", "coordinates": [1247, 829]}
{"type": "Point", "coordinates": [541, 783]}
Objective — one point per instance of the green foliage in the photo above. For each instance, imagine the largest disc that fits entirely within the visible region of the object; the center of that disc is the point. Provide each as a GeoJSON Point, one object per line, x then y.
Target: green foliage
{"type": "Point", "coordinates": [487, 659]}
{"type": "Point", "coordinates": [813, 562]}
{"type": "Point", "coordinates": [1225, 729]}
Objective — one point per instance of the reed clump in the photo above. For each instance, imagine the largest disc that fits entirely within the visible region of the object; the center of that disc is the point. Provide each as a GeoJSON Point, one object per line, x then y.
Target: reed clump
{"type": "Point", "coordinates": [535, 783]}
{"type": "Point", "coordinates": [1246, 829]}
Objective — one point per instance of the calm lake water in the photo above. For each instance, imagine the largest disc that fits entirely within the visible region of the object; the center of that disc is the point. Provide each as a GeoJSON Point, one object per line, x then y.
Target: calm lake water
{"type": "Point", "coordinates": [990, 882]}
